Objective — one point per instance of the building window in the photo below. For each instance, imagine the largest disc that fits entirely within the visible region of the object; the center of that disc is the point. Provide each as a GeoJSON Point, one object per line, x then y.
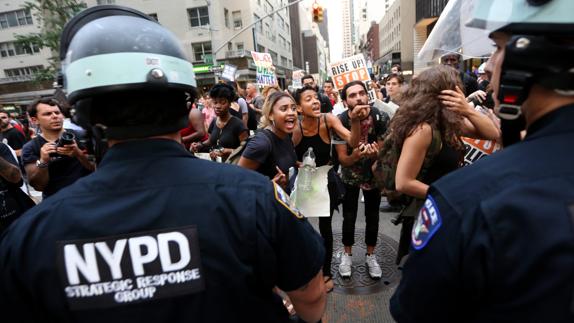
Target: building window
{"type": "Point", "coordinates": [15, 18]}
{"type": "Point", "coordinates": [198, 16]}
{"type": "Point", "coordinates": [273, 56]}
{"type": "Point", "coordinates": [226, 17]}
{"type": "Point", "coordinates": [237, 22]}
{"type": "Point", "coordinates": [200, 50]}
{"type": "Point", "coordinates": [268, 7]}
{"type": "Point", "coordinates": [284, 61]}
{"type": "Point", "coordinates": [259, 25]}
{"type": "Point", "coordinates": [23, 71]}
{"type": "Point", "coordinates": [229, 46]}
{"type": "Point", "coordinates": [240, 47]}
{"type": "Point", "coordinates": [106, 1]}
{"type": "Point", "coordinates": [154, 16]}
{"type": "Point", "coordinates": [15, 49]}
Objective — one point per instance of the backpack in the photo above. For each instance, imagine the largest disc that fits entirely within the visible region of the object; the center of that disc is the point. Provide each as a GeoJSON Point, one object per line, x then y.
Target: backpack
{"type": "Point", "coordinates": [385, 169]}
{"type": "Point", "coordinates": [237, 152]}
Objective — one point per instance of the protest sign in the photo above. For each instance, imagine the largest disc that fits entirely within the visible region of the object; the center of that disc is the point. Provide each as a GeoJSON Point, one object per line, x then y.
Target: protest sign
{"type": "Point", "coordinates": [265, 69]}
{"type": "Point", "coordinates": [297, 76]}
{"type": "Point", "coordinates": [229, 72]}
{"type": "Point", "coordinates": [350, 69]}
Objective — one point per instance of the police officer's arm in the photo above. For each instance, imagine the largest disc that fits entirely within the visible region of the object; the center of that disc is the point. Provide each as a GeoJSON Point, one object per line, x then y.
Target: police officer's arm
{"type": "Point", "coordinates": [411, 161]}
{"type": "Point", "coordinates": [447, 274]}
{"type": "Point", "coordinates": [291, 252]}
{"type": "Point", "coordinates": [38, 176]}
{"type": "Point", "coordinates": [476, 124]}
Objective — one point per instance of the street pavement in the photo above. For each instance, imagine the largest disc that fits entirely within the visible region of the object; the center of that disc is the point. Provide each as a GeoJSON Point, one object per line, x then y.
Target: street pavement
{"type": "Point", "coordinates": [361, 308]}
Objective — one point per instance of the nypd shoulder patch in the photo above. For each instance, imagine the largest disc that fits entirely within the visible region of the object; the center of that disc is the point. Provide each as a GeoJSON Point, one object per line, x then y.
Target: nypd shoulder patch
{"type": "Point", "coordinates": [283, 198]}
{"type": "Point", "coordinates": [426, 225]}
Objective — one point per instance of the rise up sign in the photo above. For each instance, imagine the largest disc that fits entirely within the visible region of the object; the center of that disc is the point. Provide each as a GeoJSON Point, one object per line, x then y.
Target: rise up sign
{"type": "Point", "coordinates": [350, 69]}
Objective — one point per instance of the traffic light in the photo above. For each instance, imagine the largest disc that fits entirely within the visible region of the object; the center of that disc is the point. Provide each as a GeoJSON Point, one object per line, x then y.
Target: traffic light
{"type": "Point", "coordinates": [317, 13]}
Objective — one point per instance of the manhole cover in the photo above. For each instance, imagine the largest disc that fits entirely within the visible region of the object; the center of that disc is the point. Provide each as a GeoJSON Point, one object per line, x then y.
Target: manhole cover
{"type": "Point", "coordinates": [360, 282]}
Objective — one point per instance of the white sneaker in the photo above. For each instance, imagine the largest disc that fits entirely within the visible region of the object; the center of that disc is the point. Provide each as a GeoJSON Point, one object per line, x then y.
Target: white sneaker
{"type": "Point", "coordinates": [345, 265]}
{"type": "Point", "coordinates": [374, 268]}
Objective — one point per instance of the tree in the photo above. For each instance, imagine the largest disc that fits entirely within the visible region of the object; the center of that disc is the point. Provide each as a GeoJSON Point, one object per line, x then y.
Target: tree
{"type": "Point", "coordinates": [51, 16]}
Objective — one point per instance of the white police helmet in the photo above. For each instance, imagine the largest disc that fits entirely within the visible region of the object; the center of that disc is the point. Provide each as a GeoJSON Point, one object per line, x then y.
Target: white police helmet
{"type": "Point", "coordinates": [111, 48]}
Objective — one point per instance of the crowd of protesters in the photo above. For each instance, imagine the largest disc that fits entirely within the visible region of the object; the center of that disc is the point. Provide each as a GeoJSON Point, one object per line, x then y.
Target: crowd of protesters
{"type": "Point", "coordinates": [269, 129]}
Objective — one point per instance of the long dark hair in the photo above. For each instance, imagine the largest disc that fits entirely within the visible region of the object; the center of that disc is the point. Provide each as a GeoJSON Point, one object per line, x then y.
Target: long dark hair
{"type": "Point", "coordinates": [420, 104]}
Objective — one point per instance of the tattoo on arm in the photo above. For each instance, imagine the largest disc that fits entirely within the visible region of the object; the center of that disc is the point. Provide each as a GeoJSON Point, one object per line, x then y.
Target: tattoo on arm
{"type": "Point", "coordinates": [10, 172]}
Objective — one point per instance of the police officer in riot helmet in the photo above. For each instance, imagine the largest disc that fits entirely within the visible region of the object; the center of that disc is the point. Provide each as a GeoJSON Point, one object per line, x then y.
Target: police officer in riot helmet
{"type": "Point", "coordinates": [155, 235]}
{"type": "Point", "coordinates": [494, 242]}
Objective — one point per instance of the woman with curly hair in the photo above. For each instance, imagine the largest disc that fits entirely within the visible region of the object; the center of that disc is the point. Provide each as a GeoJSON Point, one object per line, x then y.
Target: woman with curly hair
{"type": "Point", "coordinates": [433, 113]}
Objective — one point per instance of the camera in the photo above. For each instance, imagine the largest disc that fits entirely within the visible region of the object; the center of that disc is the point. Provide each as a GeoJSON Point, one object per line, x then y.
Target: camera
{"type": "Point", "coordinates": [66, 138]}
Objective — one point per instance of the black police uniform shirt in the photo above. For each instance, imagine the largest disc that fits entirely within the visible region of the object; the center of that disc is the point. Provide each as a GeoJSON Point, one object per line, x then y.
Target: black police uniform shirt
{"type": "Point", "coordinates": [495, 240]}
{"type": "Point", "coordinates": [155, 235]}
{"type": "Point", "coordinates": [63, 170]}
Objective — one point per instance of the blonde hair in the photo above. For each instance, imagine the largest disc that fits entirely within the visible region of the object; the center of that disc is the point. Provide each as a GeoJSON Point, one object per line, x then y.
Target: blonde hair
{"type": "Point", "coordinates": [267, 88]}
{"type": "Point", "coordinates": [267, 109]}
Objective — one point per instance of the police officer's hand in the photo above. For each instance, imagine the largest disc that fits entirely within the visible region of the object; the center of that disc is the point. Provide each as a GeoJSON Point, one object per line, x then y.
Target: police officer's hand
{"type": "Point", "coordinates": [47, 149]}
{"type": "Point", "coordinates": [280, 178]}
{"type": "Point", "coordinates": [456, 101]}
{"type": "Point", "coordinates": [71, 150]}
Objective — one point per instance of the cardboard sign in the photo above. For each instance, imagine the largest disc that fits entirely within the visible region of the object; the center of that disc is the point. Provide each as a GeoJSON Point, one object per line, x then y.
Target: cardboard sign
{"type": "Point", "coordinates": [476, 149]}
{"type": "Point", "coordinates": [265, 69]}
{"type": "Point", "coordinates": [297, 76]}
{"type": "Point", "coordinates": [229, 72]}
{"type": "Point", "coordinates": [351, 69]}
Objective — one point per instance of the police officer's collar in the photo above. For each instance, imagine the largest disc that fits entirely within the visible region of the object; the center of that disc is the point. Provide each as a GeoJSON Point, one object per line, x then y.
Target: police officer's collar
{"type": "Point", "coordinates": [557, 121]}
{"type": "Point", "coordinates": [144, 148]}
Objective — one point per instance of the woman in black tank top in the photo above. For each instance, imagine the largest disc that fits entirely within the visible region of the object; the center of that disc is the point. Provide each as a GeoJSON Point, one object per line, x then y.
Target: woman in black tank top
{"type": "Point", "coordinates": [314, 130]}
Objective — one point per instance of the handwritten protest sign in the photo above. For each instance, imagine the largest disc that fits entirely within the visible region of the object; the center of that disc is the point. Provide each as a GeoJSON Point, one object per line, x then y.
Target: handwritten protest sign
{"type": "Point", "coordinates": [297, 76]}
{"type": "Point", "coordinates": [265, 69]}
{"type": "Point", "coordinates": [351, 69]}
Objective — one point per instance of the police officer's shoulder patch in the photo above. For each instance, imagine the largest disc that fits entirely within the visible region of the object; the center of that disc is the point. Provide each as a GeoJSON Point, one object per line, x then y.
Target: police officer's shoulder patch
{"type": "Point", "coordinates": [283, 198]}
{"type": "Point", "coordinates": [426, 225]}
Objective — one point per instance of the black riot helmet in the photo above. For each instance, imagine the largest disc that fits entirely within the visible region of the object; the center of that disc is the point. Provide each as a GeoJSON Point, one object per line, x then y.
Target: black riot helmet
{"type": "Point", "coordinates": [114, 56]}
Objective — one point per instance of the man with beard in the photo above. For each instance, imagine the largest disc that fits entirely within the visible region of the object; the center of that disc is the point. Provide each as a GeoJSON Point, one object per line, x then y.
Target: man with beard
{"type": "Point", "coordinates": [10, 135]}
{"type": "Point", "coordinates": [51, 163]}
{"type": "Point", "coordinates": [357, 175]}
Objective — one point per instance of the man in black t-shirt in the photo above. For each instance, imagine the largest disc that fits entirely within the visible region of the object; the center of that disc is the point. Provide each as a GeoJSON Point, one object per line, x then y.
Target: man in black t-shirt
{"type": "Point", "coordinates": [13, 202]}
{"type": "Point", "coordinates": [10, 135]}
{"type": "Point", "coordinates": [50, 166]}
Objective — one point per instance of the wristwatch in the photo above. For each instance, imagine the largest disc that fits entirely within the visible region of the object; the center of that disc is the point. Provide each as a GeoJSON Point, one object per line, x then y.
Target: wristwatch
{"type": "Point", "coordinates": [39, 164]}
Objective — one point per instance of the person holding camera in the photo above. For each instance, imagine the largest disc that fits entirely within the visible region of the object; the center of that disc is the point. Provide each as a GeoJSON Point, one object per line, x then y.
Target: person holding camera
{"type": "Point", "coordinates": [53, 159]}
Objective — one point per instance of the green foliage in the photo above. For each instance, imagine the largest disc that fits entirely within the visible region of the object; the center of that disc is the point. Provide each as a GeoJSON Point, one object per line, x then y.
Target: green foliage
{"type": "Point", "coordinates": [51, 16]}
